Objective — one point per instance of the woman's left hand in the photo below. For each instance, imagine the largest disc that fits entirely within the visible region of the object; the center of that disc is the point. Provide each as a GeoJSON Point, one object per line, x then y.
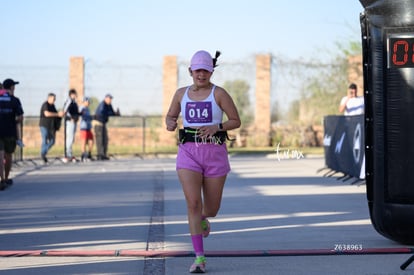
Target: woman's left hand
{"type": "Point", "coordinates": [207, 131]}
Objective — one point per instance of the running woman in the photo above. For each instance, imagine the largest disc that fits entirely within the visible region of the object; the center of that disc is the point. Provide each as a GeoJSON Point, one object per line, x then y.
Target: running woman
{"type": "Point", "coordinates": [202, 159]}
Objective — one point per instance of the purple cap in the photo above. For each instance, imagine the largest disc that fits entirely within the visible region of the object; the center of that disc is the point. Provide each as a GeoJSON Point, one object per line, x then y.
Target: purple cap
{"type": "Point", "coordinates": [202, 60]}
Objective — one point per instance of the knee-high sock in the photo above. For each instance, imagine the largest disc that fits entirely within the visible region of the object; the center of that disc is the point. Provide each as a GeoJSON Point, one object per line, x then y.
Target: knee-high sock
{"type": "Point", "coordinates": [198, 246]}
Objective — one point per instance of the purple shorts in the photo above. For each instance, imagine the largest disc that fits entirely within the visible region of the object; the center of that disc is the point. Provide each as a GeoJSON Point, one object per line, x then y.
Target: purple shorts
{"type": "Point", "coordinates": [210, 160]}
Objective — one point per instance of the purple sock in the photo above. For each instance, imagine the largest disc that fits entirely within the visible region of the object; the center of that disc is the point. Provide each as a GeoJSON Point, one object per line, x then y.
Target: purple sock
{"type": "Point", "coordinates": [197, 241]}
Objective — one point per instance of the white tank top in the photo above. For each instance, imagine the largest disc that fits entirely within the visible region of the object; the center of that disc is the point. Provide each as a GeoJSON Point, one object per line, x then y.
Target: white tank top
{"type": "Point", "coordinates": [200, 113]}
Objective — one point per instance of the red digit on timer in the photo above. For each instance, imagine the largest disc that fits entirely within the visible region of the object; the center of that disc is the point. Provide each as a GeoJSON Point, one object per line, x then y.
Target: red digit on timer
{"type": "Point", "coordinates": [399, 45]}
{"type": "Point", "coordinates": [412, 56]}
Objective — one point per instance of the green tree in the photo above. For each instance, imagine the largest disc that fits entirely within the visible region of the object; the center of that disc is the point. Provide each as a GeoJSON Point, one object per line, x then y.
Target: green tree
{"type": "Point", "coordinates": [293, 113]}
{"type": "Point", "coordinates": [324, 88]}
{"type": "Point", "coordinates": [276, 114]}
{"type": "Point", "coordinates": [239, 91]}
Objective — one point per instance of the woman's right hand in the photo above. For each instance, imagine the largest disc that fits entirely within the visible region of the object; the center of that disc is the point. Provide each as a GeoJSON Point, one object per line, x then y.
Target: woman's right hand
{"type": "Point", "coordinates": [171, 123]}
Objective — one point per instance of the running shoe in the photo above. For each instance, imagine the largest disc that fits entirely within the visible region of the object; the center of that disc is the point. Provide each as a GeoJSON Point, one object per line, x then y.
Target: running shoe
{"type": "Point", "coordinates": [199, 265]}
{"type": "Point", "coordinates": [2, 185]}
{"type": "Point", "coordinates": [44, 158]}
{"type": "Point", "coordinates": [205, 225]}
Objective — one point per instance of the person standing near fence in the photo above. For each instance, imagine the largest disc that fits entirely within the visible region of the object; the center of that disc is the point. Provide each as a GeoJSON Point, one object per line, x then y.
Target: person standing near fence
{"type": "Point", "coordinates": [102, 114]}
{"type": "Point", "coordinates": [71, 111]}
{"type": "Point", "coordinates": [9, 85]}
{"type": "Point", "coordinates": [10, 112]}
{"type": "Point", "coordinates": [49, 123]}
{"type": "Point", "coordinates": [352, 104]}
{"type": "Point", "coordinates": [86, 135]}
{"type": "Point", "coordinates": [202, 159]}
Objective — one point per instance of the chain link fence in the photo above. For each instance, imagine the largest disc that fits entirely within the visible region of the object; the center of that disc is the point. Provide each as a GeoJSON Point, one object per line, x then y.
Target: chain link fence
{"type": "Point", "coordinates": [138, 93]}
{"type": "Point", "coordinates": [128, 135]}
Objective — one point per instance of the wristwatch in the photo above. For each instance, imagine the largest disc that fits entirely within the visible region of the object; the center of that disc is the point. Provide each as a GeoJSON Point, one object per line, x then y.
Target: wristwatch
{"type": "Point", "coordinates": [220, 126]}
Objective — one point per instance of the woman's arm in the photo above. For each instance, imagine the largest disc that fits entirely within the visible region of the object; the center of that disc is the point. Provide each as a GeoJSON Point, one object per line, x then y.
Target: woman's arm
{"type": "Point", "coordinates": [174, 110]}
{"type": "Point", "coordinates": [226, 103]}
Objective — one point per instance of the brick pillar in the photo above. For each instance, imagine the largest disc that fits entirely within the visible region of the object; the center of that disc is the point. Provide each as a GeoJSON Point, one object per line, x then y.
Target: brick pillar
{"type": "Point", "coordinates": [262, 114]}
{"type": "Point", "coordinates": [170, 85]}
{"type": "Point", "coordinates": [77, 76]}
{"type": "Point", "coordinates": [355, 73]}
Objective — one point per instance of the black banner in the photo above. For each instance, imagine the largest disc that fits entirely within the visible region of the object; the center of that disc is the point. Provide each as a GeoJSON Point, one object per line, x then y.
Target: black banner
{"type": "Point", "coordinates": [344, 144]}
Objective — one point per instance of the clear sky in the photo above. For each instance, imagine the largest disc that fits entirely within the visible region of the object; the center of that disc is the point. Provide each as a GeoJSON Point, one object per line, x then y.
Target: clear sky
{"type": "Point", "coordinates": [130, 32]}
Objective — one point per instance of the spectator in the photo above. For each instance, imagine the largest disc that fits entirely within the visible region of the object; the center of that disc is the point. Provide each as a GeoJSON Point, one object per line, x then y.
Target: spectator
{"type": "Point", "coordinates": [10, 112]}
{"type": "Point", "coordinates": [86, 135]}
{"type": "Point", "coordinates": [202, 158]}
{"type": "Point", "coordinates": [50, 121]}
{"type": "Point", "coordinates": [71, 113]}
{"type": "Point", "coordinates": [9, 86]}
{"type": "Point", "coordinates": [352, 104]}
{"type": "Point", "coordinates": [102, 114]}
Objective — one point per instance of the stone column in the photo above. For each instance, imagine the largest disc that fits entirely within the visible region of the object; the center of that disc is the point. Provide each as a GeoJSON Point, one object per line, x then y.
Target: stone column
{"type": "Point", "coordinates": [262, 123]}
{"type": "Point", "coordinates": [77, 76]}
{"type": "Point", "coordinates": [169, 81]}
{"type": "Point", "coordinates": [170, 85]}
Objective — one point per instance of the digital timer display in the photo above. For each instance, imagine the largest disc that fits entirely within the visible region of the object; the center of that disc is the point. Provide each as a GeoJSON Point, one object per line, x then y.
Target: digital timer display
{"type": "Point", "coordinates": [400, 51]}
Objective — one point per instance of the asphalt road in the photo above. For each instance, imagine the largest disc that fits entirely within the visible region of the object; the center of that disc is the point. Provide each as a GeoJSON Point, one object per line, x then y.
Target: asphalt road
{"type": "Point", "coordinates": [128, 216]}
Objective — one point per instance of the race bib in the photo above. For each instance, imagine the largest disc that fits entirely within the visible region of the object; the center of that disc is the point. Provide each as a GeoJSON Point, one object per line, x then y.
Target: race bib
{"type": "Point", "coordinates": [199, 112]}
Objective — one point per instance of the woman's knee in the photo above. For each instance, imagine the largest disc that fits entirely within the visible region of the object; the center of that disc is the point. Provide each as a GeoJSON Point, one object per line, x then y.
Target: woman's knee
{"type": "Point", "coordinates": [194, 206]}
{"type": "Point", "coordinates": [211, 211]}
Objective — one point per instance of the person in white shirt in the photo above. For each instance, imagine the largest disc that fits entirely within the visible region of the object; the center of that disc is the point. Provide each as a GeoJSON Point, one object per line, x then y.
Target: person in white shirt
{"type": "Point", "coordinates": [352, 104]}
